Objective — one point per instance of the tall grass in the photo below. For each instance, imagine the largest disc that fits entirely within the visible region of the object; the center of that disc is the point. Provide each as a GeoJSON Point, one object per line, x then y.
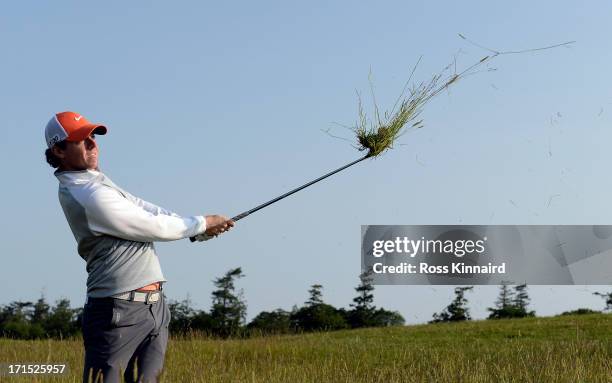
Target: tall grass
{"type": "Point", "coordinates": [560, 349]}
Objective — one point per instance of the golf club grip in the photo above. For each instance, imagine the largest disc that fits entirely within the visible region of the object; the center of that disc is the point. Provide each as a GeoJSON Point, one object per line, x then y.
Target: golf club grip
{"type": "Point", "coordinates": [236, 218]}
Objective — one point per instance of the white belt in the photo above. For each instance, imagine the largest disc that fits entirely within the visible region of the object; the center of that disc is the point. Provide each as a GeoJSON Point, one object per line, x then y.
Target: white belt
{"type": "Point", "coordinates": [139, 296]}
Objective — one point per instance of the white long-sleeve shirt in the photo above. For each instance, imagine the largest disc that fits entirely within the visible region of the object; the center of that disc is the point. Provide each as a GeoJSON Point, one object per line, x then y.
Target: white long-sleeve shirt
{"type": "Point", "coordinates": [115, 231]}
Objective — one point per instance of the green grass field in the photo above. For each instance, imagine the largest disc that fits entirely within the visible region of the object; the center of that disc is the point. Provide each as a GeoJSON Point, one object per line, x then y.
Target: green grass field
{"type": "Point", "coordinates": [559, 349]}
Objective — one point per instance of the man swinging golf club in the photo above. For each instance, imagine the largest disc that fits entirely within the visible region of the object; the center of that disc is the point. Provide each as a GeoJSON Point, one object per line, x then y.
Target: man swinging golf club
{"type": "Point", "coordinates": [125, 318]}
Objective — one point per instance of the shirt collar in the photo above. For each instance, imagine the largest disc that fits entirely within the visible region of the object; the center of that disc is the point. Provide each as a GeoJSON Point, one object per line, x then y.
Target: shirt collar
{"type": "Point", "coordinates": [77, 177]}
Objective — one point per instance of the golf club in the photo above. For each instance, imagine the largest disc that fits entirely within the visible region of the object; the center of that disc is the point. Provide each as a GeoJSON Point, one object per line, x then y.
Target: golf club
{"type": "Point", "coordinates": [253, 210]}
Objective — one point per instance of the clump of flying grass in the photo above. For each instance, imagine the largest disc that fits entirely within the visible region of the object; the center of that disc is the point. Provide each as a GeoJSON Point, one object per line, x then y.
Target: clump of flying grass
{"type": "Point", "coordinates": [378, 134]}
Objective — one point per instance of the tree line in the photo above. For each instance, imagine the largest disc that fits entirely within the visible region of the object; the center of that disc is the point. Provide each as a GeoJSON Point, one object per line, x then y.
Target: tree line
{"type": "Point", "coordinates": [512, 302]}
{"type": "Point", "coordinates": [227, 316]}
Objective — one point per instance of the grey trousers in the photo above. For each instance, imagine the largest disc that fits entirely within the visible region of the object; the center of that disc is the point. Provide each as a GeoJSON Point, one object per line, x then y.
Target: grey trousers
{"type": "Point", "coordinates": [124, 337]}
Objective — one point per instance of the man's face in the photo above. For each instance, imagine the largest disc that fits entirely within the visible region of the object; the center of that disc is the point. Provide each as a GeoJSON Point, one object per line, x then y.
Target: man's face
{"type": "Point", "coordinates": [81, 155]}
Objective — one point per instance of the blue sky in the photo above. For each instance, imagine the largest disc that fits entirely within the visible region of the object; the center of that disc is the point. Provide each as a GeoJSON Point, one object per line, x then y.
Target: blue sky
{"type": "Point", "coordinates": [215, 108]}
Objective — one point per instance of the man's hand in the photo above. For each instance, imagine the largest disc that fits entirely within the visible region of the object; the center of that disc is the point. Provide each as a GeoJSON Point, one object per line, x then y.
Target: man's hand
{"type": "Point", "coordinates": [217, 224]}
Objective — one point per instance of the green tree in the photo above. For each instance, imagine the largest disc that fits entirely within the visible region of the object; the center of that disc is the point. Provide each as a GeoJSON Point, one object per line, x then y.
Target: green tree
{"type": "Point", "coordinates": [521, 300]}
{"type": "Point", "coordinates": [505, 296]}
{"type": "Point", "coordinates": [185, 319]}
{"type": "Point", "coordinates": [228, 308]}
{"type": "Point", "coordinates": [316, 295]}
{"type": "Point", "coordinates": [581, 311]}
{"type": "Point", "coordinates": [503, 305]}
{"type": "Point", "coordinates": [181, 316]}
{"type": "Point", "coordinates": [26, 320]}
{"type": "Point", "coordinates": [41, 311]}
{"type": "Point", "coordinates": [457, 310]}
{"type": "Point", "coordinates": [608, 298]}
{"type": "Point", "coordinates": [363, 309]}
{"type": "Point", "coordinates": [317, 315]}
{"type": "Point", "coordinates": [203, 322]}
{"type": "Point", "coordinates": [15, 320]}
{"type": "Point", "coordinates": [274, 322]}
{"type": "Point", "coordinates": [363, 313]}
{"type": "Point", "coordinates": [62, 321]}
{"type": "Point", "coordinates": [321, 317]}
{"type": "Point", "coordinates": [384, 318]}
{"type": "Point", "coordinates": [365, 298]}
{"type": "Point", "coordinates": [20, 311]}
{"type": "Point", "coordinates": [511, 304]}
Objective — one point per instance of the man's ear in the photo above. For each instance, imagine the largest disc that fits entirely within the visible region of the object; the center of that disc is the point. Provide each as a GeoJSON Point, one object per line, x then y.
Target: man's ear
{"type": "Point", "coordinates": [58, 152]}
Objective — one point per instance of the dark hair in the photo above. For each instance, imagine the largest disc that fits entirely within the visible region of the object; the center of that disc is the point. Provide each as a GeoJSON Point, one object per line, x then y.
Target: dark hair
{"type": "Point", "coordinates": [51, 158]}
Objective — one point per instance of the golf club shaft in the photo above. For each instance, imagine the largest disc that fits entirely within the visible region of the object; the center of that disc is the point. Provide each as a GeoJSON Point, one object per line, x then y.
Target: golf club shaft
{"type": "Point", "coordinates": [253, 210]}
